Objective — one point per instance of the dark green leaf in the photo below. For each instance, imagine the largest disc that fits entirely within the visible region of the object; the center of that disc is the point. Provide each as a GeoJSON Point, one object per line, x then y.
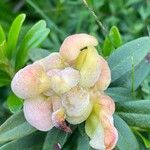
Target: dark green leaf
{"type": "Point", "coordinates": [136, 113]}
{"type": "Point", "coordinates": [119, 94]}
{"type": "Point", "coordinates": [4, 79]}
{"type": "Point", "coordinates": [126, 139]}
{"type": "Point", "coordinates": [31, 142]}
{"type": "Point", "coordinates": [54, 137]}
{"type": "Point", "coordinates": [14, 34]}
{"type": "Point", "coordinates": [32, 39]}
{"type": "Point", "coordinates": [140, 73]}
{"type": "Point", "coordinates": [14, 103]}
{"type": "Point", "coordinates": [124, 57]}
{"type": "Point", "coordinates": [2, 35]}
{"type": "Point", "coordinates": [14, 128]}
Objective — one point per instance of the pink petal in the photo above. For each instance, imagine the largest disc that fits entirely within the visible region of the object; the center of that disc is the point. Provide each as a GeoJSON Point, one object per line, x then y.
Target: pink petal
{"type": "Point", "coordinates": [110, 132]}
{"type": "Point", "coordinates": [38, 112]}
{"type": "Point", "coordinates": [30, 81]}
{"type": "Point", "coordinates": [107, 104]}
{"type": "Point", "coordinates": [53, 61]}
{"type": "Point", "coordinates": [105, 76]}
{"type": "Point", "coordinates": [72, 45]}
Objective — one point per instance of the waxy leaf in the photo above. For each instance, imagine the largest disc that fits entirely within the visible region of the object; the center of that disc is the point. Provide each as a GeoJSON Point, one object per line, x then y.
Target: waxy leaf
{"type": "Point", "coordinates": [132, 53]}
{"type": "Point", "coordinates": [30, 142]}
{"type": "Point", "coordinates": [136, 113]}
{"type": "Point", "coordinates": [32, 39]}
{"type": "Point", "coordinates": [54, 138]}
{"type": "Point", "coordinates": [14, 128]}
{"type": "Point", "coordinates": [126, 139]}
{"type": "Point", "coordinates": [13, 34]}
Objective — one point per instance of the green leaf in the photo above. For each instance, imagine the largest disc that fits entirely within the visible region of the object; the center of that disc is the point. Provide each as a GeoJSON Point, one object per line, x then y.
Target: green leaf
{"type": "Point", "coordinates": [119, 94]}
{"type": "Point", "coordinates": [145, 140]}
{"type": "Point", "coordinates": [54, 137]}
{"type": "Point", "coordinates": [126, 139]}
{"type": "Point", "coordinates": [133, 52]}
{"type": "Point", "coordinates": [38, 53]}
{"type": "Point", "coordinates": [140, 73]}
{"type": "Point", "coordinates": [13, 34]}
{"type": "Point", "coordinates": [136, 113]}
{"type": "Point", "coordinates": [14, 128]}
{"type": "Point", "coordinates": [32, 39]}
{"type": "Point", "coordinates": [14, 103]}
{"type": "Point", "coordinates": [112, 41]}
{"type": "Point", "coordinates": [2, 35]}
{"type": "Point", "coordinates": [4, 79]}
{"type": "Point", "coordinates": [26, 143]}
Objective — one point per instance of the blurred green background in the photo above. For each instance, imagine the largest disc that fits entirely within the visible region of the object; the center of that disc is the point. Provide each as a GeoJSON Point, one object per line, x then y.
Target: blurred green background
{"type": "Point", "coordinates": [65, 17]}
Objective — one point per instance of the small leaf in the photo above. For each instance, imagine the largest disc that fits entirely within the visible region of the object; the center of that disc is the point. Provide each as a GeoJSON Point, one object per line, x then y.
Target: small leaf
{"type": "Point", "coordinates": [32, 39]}
{"type": "Point", "coordinates": [119, 94]}
{"type": "Point", "coordinates": [26, 143]}
{"type": "Point", "coordinates": [126, 138]}
{"type": "Point", "coordinates": [120, 61]}
{"type": "Point", "coordinates": [14, 128]}
{"type": "Point", "coordinates": [4, 79]}
{"type": "Point", "coordinates": [2, 35]}
{"type": "Point", "coordinates": [136, 113]}
{"type": "Point", "coordinates": [13, 34]}
{"type": "Point", "coordinates": [112, 41]}
{"type": "Point", "coordinates": [38, 53]}
{"type": "Point", "coordinates": [14, 103]}
{"type": "Point", "coordinates": [145, 140]}
{"type": "Point", "coordinates": [54, 137]}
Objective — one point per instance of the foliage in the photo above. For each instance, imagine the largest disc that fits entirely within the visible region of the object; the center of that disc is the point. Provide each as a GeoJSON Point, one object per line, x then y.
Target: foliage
{"type": "Point", "coordinates": [127, 60]}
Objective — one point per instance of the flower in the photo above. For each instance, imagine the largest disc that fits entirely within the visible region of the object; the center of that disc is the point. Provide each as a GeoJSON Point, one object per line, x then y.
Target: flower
{"type": "Point", "coordinates": [69, 86]}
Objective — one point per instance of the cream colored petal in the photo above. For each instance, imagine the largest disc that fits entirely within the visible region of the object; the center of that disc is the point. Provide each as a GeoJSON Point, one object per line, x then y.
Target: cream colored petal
{"type": "Point", "coordinates": [77, 105]}
{"type": "Point", "coordinates": [88, 64]}
{"type": "Point", "coordinates": [30, 81]}
{"type": "Point", "coordinates": [72, 45]}
{"type": "Point", "coordinates": [105, 76]}
{"type": "Point", "coordinates": [38, 113]}
{"type": "Point", "coordinates": [95, 131]}
{"type": "Point", "coordinates": [64, 80]}
{"type": "Point", "coordinates": [53, 61]}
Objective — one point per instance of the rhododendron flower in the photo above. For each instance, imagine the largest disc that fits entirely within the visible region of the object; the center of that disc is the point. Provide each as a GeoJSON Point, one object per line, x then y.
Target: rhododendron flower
{"type": "Point", "coordinates": [69, 86]}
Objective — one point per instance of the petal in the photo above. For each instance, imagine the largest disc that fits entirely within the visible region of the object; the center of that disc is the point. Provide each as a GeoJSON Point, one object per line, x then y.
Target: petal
{"type": "Point", "coordinates": [64, 80]}
{"type": "Point", "coordinates": [89, 65]}
{"type": "Point", "coordinates": [58, 115]}
{"type": "Point", "coordinates": [77, 105]}
{"type": "Point", "coordinates": [30, 81]}
{"type": "Point", "coordinates": [111, 134]}
{"type": "Point", "coordinates": [53, 61]}
{"type": "Point", "coordinates": [95, 131]}
{"type": "Point", "coordinates": [107, 104]}
{"type": "Point", "coordinates": [105, 76]}
{"type": "Point", "coordinates": [72, 45]}
{"type": "Point", "coordinates": [38, 112]}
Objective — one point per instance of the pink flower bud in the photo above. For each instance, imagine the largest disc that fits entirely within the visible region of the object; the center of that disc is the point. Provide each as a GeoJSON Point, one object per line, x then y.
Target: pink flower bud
{"type": "Point", "coordinates": [73, 44]}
